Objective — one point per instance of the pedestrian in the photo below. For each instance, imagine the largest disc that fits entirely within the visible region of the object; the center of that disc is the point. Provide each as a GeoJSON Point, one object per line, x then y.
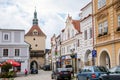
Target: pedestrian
{"type": "Point", "coordinates": [26, 71]}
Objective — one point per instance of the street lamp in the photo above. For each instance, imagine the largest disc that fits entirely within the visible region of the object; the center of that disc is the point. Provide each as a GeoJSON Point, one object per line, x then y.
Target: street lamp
{"type": "Point", "coordinates": [72, 56]}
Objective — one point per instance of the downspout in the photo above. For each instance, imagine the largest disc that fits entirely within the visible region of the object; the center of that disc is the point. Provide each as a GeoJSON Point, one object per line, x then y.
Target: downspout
{"type": "Point", "coordinates": [93, 59]}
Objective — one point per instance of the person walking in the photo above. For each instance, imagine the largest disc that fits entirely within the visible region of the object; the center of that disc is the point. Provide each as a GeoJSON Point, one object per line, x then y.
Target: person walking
{"type": "Point", "coordinates": [26, 72]}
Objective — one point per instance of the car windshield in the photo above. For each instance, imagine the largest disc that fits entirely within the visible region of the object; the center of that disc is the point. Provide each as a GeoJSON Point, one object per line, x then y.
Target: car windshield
{"type": "Point", "coordinates": [115, 69]}
{"type": "Point", "coordinates": [87, 69]}
{"type": "Point", "coordinates": [61, 69]}
{"type": "Point", "coordinates": [100, 69]}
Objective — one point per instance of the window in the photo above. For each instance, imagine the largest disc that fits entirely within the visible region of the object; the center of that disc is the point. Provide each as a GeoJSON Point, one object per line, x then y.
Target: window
{"type": "Point", "coordinates": [35, 32]}
{"type": "Point", "coordinates": [17, 52]}
{"type": "Point", "coordinates": [101, 3]}
{"type": "Point", "coordinates": [105, 27]}
{"type": "Point", "coordinates": [100, 28]}
{"type": "Point", "coordinates": [119, 21]}
{"type": "Point", "coordinates": [90, 33]}
{"type": "Point", "coordinates": [85, 34]}
{"type": "Point", "coordinates": [5, 52]}
{"type": "Point", "coordinates": [6, 36]}
{"type": "Point", "coordinates": [78, 43]}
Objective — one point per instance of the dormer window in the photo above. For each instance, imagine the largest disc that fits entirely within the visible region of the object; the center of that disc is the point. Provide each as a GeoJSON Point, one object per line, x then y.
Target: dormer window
{"type": "Point", "coordinates": [35, 32]}
{"type": "Point", "coordinates": [101, 3]}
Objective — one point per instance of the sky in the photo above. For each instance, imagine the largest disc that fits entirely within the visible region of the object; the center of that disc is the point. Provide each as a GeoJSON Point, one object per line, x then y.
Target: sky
{"type": "Point", "coordinates": [52, 14]}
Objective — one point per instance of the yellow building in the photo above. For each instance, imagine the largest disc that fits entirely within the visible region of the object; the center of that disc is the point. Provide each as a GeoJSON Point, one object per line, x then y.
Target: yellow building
{"type": "Point", "coordinates": [107, 32]}
{"type": "Point", "coordinates": [36, 38]}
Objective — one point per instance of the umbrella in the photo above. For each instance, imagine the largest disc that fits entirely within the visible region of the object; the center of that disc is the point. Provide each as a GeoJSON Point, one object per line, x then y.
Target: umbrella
{"type": "Point", "coordinates": [14, 63]}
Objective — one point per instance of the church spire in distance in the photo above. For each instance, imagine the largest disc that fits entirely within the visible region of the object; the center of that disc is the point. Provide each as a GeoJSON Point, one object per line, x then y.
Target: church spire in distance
{"type": "Point", "coordinates": [35, 20]}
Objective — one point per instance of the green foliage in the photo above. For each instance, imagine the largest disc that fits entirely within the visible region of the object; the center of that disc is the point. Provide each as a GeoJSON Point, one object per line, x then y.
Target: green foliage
{"type": "Point", "coordinates": [6, 67]}
{"type": "Point", "coordinates": [5, 71]}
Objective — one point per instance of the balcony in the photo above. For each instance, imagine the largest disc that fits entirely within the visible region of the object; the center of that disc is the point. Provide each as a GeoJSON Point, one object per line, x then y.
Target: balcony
{"type": "Point", "coordinates": [37, 54]}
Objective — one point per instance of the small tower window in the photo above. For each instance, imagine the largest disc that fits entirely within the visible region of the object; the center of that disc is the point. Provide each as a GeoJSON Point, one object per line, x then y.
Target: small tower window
{"type": "Point", "coordinates": [36, 45]}
{"type": "Point", "coordinates": [35, 32]}
{"type": "Point", "coordinates": [33, 38]}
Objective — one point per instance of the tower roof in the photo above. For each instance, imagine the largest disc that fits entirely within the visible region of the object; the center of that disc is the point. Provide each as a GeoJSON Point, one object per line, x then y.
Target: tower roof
{"type": "Point", "coordinates": [35, 29]}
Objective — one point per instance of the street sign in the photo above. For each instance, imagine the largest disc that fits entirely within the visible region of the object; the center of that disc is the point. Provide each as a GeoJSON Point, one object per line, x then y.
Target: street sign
{"type": "Point", "coordinates": [94, 53]}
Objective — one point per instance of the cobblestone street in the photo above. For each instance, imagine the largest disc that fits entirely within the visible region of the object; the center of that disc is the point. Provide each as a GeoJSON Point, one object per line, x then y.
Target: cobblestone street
{"type": "Point", "coordinates": [42, 75]}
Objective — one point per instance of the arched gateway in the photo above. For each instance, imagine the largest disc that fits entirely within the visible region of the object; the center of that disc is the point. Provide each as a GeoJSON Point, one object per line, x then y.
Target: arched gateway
{"type": "Point", "coordinates": [34, 65]}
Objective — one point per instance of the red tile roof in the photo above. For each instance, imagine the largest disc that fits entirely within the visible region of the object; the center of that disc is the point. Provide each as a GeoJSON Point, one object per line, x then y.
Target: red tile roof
{"type": "Point", "coordinates": [35, 27]}
{"type": "Point", "coordinates": [76, 24]}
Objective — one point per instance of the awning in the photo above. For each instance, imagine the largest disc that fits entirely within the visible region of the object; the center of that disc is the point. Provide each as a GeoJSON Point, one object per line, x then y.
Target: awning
{"type": "Point", "coordinates": [13, 63]}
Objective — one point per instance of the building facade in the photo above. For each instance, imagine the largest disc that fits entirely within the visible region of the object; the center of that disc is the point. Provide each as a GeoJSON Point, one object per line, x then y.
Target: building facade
{"type": "Point", "coordinates": [36, 38]}
{"type": "Point", "coordinates": [107, 36]}
{"type": "Point", "coordinates": [69, 43]}
{"type": "Point", "coordinates": [86, 45]}
{"type": "Point", "coordinates": [13, 47]}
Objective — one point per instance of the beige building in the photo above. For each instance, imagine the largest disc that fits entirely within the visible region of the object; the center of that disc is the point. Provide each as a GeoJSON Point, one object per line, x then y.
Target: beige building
{"type": "Point", "coordinates": [107, 32]}
{"type": "Point", "coordinates": [36, 38]}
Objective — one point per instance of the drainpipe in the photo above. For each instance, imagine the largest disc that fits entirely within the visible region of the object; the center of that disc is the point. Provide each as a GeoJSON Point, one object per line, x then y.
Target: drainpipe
{"type": "Point", "coordinates": [93, 59]}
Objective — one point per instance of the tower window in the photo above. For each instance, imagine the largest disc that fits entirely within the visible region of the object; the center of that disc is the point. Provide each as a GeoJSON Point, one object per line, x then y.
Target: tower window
{"type": "Point", "coordinates": [36, 45]}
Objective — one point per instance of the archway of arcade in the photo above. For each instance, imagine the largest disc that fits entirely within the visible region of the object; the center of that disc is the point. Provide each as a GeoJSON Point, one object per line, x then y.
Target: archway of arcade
{"type": "Point", "coordinates": [87, 58]}
{"type": "Point", "coordinates": [105, 59]}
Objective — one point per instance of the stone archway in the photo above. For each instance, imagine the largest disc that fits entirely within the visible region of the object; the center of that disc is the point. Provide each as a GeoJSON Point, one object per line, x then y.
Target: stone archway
{"type": "Point", "coordinates": [34, 65]}
{"type": "Point", "coordinates": [105, 59]}
{"type": "Point", "coordinates": [86, 58]}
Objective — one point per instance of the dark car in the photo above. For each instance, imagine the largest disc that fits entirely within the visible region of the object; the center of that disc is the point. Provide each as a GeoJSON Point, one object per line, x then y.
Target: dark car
{"type": "Point", "coordinates": [34, 71]}
{"type": "Point", "coordinates": [46, 67]}
{"type": "Point", "coordinates": [61, 74]}
{"type": "Point", "coordinates": [91, 72]}
{"type": "Point", "coordinates": [113, 74]}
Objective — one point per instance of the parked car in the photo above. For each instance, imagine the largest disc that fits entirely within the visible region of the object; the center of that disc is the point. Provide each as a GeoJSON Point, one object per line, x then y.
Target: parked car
{"type": "Point", "coordinates": [69, 68]}
{"type": "Point", "coordinates": [34, 71]}
{"type": "Point", "coordinates": [61, 74]}
{"type": "Point", "coordinates": [46, 67]}
{"type": "Point", "coordinates": [91, 72]}
{"type": "Point", "coordinates": [113, 74]}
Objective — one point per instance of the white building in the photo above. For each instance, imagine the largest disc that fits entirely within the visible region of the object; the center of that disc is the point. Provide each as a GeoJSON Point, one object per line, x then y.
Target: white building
{"type": "Point", "coordinates": [85, 50]}
{"type": "Point", "coordinates": [12, 46]}
{"type": "Point", "coordinates": [69, 42]}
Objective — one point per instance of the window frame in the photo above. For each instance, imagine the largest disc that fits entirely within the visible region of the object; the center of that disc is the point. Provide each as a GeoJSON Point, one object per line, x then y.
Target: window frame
{"type": "Point", "coordinates": [118, 20]}
{"type": "Point", "coordinates": [17, 53]}
{"type": "Point", "coordinates": [101, 3]}
{"type": "Point", "coordinates": [5, 53]}
{"type": "Point", "coordinates": [85, 34]}
{"type": "Point", "coordinates": [6, 36]}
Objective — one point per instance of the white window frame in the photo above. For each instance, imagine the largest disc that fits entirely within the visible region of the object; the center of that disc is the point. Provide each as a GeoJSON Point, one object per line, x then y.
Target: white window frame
{"type": "Point", "coordinates": [100, 27]}
{"type": "Point", "coordinates": [105, 26]}
{"type": "Point", "coordinates": [17, 53]}
{"type": "Point", "coordinates": [118, 20]}
{"type": "Point", "coordinates": [7, 53]}
{"type": "Point", "coordinates": [8, 37]}
{"type": "Point", "coordinates": [101, 3]}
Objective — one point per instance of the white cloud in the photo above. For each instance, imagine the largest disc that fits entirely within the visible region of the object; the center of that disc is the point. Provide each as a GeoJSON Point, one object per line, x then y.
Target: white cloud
{"type": "Point", "coordinates": [51, 14]}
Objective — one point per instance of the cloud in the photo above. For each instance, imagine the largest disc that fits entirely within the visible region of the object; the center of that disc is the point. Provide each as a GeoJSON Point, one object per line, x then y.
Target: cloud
{"type": "Point", "coordinates": [18, 14]}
